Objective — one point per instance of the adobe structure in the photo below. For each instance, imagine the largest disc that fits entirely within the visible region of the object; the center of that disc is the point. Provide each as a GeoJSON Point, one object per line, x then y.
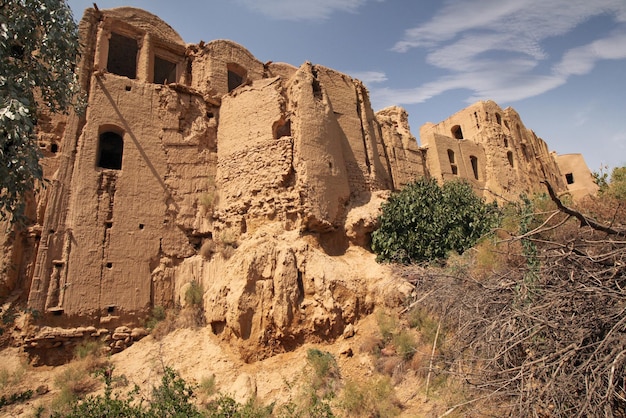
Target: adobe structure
{"type": "Point", "coordinates": [185, 148]}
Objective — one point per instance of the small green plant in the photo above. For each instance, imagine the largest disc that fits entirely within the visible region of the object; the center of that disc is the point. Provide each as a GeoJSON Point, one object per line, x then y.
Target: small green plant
{"type": "Point", "coordinates": [387, 325]}
{"type": "Point", "coordinates": [87, 348]}
{"type": "Point", "coordinates": [208, 386]}
{"type": "Point", "coordinates": [194, 294]}
{"type": "Point", "coordinates": [421, 320]}
{"type": "Point", "coordinates": [157, 315]}
{"type": "Point", "coordinates": [323, 364]}
{"type": "Point", "coordinates": [405, 344]}
{"type": "Point", "coordinates": [373, 397]}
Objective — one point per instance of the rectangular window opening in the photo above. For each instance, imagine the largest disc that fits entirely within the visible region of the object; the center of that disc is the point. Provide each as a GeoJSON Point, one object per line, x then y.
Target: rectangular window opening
{"type": "Point", "coordinates": [164, 71]}
{"type": "Point", "coordinates": [122, 59]}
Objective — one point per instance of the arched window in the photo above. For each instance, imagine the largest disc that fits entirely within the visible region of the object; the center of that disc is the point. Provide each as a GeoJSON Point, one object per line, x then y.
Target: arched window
{"type": "Point", "coordinates": [122, 59]}
{"type": "Point", "coordinates": [110, 150]}
{"type": "Point", "coordinates": [509, 156]}
{"type": "Point", "coordinates": [498, 119]}
{"type": "Point", "coordinates": [457, 132]}
{"type": "Point", "coordinates": [474, 161]}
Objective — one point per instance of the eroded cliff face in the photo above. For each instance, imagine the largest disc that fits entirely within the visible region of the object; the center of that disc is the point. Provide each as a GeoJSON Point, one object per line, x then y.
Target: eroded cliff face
{"type": "Point", "coordinates": [198, 165]}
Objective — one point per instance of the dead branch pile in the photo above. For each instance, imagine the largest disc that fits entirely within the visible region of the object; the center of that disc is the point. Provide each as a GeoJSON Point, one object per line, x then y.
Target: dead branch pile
{"type": "Point", "coordinates": [546, 337]}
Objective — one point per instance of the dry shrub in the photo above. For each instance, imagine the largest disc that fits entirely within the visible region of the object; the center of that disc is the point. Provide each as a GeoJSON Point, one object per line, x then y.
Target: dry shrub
{"type": "Point", "coordinates": [420, 362]}
{"type": "Point", "coordinates": [543, 337]}
{"type": "Point", "coordinates": [390, 365]}
{"type": "Point", "coordinates": [73, 382]}
{"type": "Point", "coordinates": [371, 344]}
{"type": "Point", "coordinates": [191, 316]}
{"type": "Point", "coordinates": [208, 249]}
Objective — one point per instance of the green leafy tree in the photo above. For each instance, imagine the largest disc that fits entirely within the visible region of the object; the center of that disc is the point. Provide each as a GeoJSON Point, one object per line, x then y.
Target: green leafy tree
{"type": "Point", "coordinates": [617, 186]}
{"type": "Point", "coordinates": [38, 50]}
{"type": "Point", "coordinates": [425, 221]}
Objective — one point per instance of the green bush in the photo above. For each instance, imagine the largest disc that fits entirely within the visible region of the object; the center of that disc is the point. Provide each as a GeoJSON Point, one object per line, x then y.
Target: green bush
{"type": "Point", "coordinates": [425, 221]}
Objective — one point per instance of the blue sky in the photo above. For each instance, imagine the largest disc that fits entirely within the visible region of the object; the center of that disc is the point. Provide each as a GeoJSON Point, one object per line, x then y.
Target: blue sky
{"type": "Point", "coordinates": [560, 63]}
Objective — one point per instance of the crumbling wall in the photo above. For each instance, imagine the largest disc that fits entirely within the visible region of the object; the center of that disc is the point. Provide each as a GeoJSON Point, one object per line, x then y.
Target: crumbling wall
{"type": "Point", "coordinates": [577, 175]}
{"type": "Point", "coordinates": [406, 160]}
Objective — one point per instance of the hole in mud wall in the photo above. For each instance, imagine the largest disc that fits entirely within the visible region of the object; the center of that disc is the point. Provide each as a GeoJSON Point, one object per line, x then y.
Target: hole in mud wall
{"type": "Point", "coordinates": [457, 132]}
{"type": "Point", "coordinates": [506, 143]}
{"type": "Point", "coordinates": [164, 71]}
{"type": "Point", "coordinates": [109, 265]}
{"type": "Point", "coordinates": [217, 327]}
{"type": "Point", "coordinates": [236, 76]}
{"type": "Point", "coordinates": [110, 309]}
{"type": "Point", "coordinates": [110, 150]}
{"type": "Point", "coordinates": [210, 115]}
{"type": "Point", "coordinates": [569, 177]}
{"type": "Point", "coordinates": [141, 226]}
{"type": "Point", "coordinates": [128, 88]}
{"type": "Point", "coordinates": [474, 162]}
{"type": "Point", "coordinates": [498, 119]}
{"type": "Point", "coordinates": [122, 59]}
{"type": "Point", "coordinates": [283, 129]}
{"type": "Point", "coordinates": [54, 148]}
{"type": "Point", "coordinates": [509, 156]}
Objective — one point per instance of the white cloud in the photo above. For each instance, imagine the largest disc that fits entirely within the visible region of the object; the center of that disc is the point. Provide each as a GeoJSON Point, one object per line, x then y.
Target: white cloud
{"type": "Point", "coordinates": [368, 77]}
{"type": "Point", "coordinates": [302, 9]}
{"type": "Point", "coordinates": [581, 60]}
{"type": "Point", "coordinates": [493, 48]}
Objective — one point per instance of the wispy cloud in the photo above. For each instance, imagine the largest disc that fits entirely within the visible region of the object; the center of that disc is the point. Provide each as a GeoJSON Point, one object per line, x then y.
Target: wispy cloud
{"type": "Point", "coordinates": [368, 77]}
{"type": "Point", "coordinates": [302, 9]}
{"type": "Point", "coordinates": [494, 47]}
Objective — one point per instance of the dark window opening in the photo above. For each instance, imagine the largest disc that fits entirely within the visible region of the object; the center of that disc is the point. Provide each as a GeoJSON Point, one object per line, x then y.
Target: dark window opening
{"type": "Point", "coordinates": [474, 162]}
{"type": "Point", "coordinates": [509, 156]}
{"type": "Point", "coordinates": [122, 59]}
{"type": "Point", "coordinates": [128, 88]}
{"type": "Point", "coordinates": [457, 132]}
{"type": "Point", "coordinates": [569, 177]}
{"type": "Point", "coordinates": [210, 115]}
{"type": "Point", "coordinates": [498, 119]}
{"type": "Point", "coordinates": [110, 309]}
{"type": "Point", "coordinates": [454, 168]}
{"type": "Point", "coordinates": [283, 129]}
{"type": "Point", "coordinates": [164, 71]}
{"type": "Point", "coordinates": [141, 226]}
{"type": "Point", "coordinates": [236, 76]}
{"type": "Point", "coordinates": [109, 265]}
{"type": "Point", "coordinates": [110, 150]}
{"type": "Point", "coordinates": [451, 156]}
{"type": "Point", "coordinates": [506, 143]}
{"type": "Point", "coordinates": [54, 148]}
{"type": "Point", "coordinates": [525, 151]}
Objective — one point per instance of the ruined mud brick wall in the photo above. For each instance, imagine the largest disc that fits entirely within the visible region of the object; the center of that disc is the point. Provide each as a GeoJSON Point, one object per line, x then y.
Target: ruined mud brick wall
{"type": "Point", "coordinates": [576, 174]}
{"type": "Point", "coordinates": [187, 146]}
{"type": "Point", "coordinates": [181, 144]}
{"type": "Point", "coordinates": [492, 149]}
